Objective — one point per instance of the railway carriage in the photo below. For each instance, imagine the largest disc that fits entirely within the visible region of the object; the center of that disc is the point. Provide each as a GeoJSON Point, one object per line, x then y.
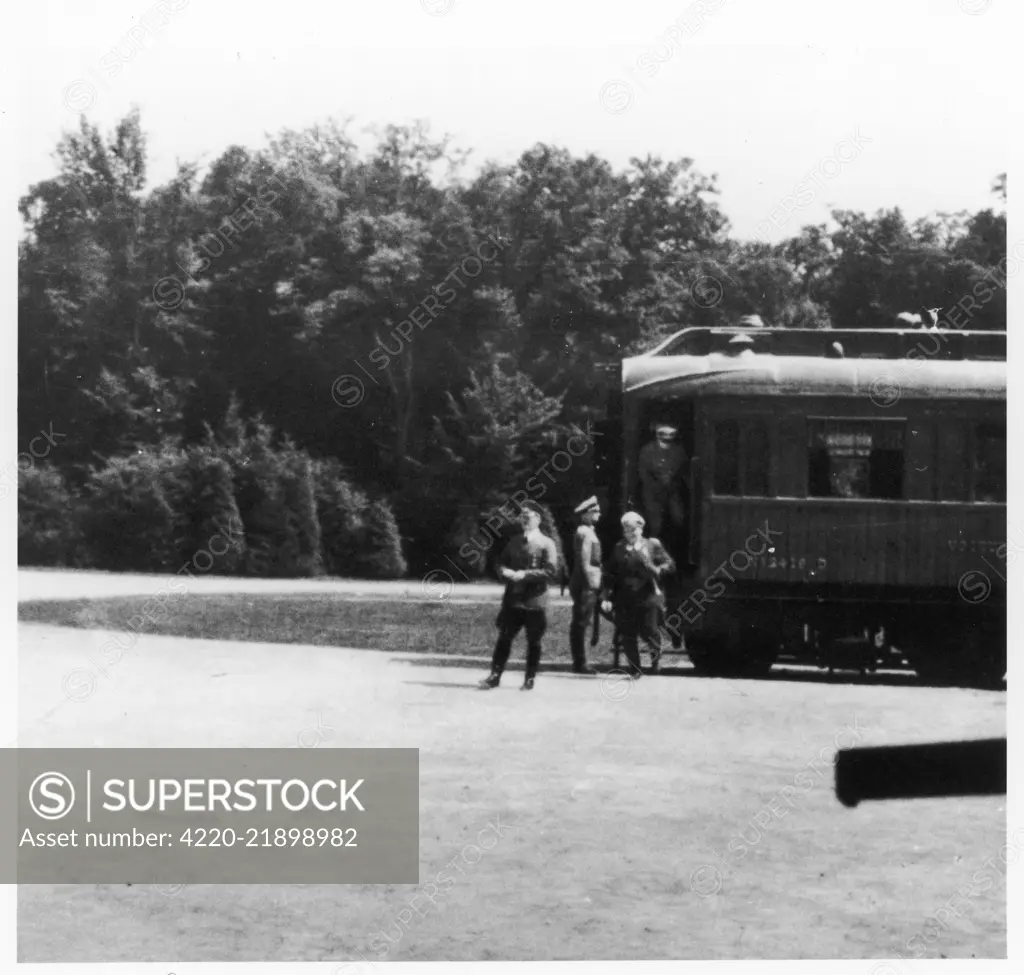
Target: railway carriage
{"type": "Point", "coordinates": [846, 494]}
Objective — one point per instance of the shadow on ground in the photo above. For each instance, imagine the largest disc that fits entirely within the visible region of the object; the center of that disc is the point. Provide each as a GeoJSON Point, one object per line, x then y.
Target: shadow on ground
{"type": "Point", "coordinates": [780, 672]}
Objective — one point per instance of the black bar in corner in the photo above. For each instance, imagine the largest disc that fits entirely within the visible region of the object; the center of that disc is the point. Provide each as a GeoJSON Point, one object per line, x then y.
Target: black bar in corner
{"type": "Point", "coordinates": [956, 768]}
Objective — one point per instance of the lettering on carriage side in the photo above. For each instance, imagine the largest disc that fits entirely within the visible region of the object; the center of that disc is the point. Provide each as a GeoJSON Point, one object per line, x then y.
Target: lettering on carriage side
{"type": "Point", "coordinates": [798, 562]}
{"type": "Point", "coordinates": [974, 545]}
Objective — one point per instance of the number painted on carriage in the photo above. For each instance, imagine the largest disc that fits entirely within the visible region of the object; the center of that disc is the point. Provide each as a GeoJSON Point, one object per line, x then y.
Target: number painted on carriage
{"type": "Point", "coordinates": [975, 545]}
{"type": "Point", "coordinates": [799, 563]}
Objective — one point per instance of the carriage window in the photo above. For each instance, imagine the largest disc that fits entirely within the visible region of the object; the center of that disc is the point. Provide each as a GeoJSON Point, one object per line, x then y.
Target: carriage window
{"type": "Point", "coordinates": [990, 463]}
{"type": "Point", "coordinates": [855, 459]}
{"type": "Point", "coordinates": [757, 461]}
{"type": "Point", "coordinates": [727, 457]}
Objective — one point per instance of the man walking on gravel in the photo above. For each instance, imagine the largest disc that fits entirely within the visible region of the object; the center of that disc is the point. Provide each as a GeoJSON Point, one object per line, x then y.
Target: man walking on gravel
{"type": "Point", "coordinates": [527, 566]}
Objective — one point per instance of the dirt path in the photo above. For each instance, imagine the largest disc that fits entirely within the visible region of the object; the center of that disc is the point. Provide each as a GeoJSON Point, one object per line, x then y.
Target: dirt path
{"type": "Point", "coordinates": [640, 818]}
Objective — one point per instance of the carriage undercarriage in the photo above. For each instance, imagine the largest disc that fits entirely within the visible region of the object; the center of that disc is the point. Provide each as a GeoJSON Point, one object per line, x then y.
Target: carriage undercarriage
{"type": "Point", "coordinates": [940, 642]}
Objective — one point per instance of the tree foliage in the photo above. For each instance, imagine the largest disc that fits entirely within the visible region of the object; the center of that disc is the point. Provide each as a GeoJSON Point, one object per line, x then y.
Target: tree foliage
{"type": "Point", "coordinates": [433, 336]}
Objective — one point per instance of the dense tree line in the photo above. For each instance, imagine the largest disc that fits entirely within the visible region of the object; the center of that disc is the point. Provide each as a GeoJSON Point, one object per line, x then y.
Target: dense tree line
{"type": "Point", "coordinates": [340, 347]}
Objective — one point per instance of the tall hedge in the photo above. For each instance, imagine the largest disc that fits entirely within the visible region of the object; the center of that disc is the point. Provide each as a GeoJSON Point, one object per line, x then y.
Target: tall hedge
{"type": "Point", "coordinates": [299, 551]}
{"type": "Point", "coordinates": [242, 504]}
{"type": "Point", "coordinates": [49, 519]}
{"type": "Point", "coordinates": [211, 520]}
{"type": "Point", "coordinates": [276, 503]}
{"type": "Point", "coordinates": [134, 518]}
{"type": "Point", "coordinates": [380, 554]}
{"type": "Point", "coordinates": [359, 538]}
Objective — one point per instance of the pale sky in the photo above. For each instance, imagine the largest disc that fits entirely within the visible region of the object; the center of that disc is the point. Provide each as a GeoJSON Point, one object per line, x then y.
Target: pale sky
{"type": "Point", "coordinates": [761, 94]}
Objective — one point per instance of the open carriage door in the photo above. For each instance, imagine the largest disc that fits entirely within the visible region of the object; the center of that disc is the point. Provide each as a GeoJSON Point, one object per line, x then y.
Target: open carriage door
{"type": "Point", "coordinates": [687, 539]}
{"type": "Point", "coordinates": [678, 515]}
{"type": "Point", "coordinates": [693, 512]}
{"type": "Point", "coordinates": [609, 457]}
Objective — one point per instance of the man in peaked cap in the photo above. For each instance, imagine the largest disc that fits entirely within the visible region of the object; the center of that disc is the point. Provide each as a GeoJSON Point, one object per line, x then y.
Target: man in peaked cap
{"type": "Point", "coordinates": [661, 468]}
{"type": "Point", "coordinates": [585, 582]}
{"type": "Point", "coordinates": [526, 566]}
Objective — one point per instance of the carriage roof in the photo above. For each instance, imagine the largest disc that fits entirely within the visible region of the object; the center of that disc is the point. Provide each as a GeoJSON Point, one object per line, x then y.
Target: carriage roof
{"type": "Point", "coordinates": [880, 364]}
{"type": "Point", "coordinates": [884, 343]}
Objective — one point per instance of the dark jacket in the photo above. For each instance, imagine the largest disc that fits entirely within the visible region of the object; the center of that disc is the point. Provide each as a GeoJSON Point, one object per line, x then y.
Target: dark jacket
{"type": "Point", "coordinates": [633, 576]}
{"type": "Point", "coordinates": [661, 467]}
{"type": "Point", "coordinates": [539, 558]}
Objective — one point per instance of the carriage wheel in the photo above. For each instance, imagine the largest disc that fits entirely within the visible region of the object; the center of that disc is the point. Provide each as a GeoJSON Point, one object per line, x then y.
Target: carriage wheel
{"type": "Point", "coordinates": [972, 657]}
{"type": "Point", "coordinates": [717, 656]}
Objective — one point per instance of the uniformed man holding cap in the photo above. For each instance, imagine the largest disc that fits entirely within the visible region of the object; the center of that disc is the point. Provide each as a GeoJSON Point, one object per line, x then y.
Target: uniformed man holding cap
{"type": "Point", "coordinates": [661, 470]}
{"type": "Point", "coordinates": [585, 582]}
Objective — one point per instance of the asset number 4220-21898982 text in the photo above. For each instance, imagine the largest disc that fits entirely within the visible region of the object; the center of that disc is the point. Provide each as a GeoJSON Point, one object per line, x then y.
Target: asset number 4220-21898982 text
{"type": "Point", "coordinates": [215, 837]}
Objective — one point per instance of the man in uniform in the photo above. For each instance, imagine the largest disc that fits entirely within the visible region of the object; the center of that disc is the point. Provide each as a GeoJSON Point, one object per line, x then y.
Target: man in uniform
{"type": "Point", "coordinates": [585, 583]}
{"type": "Point", "coordinates": [528, 564]}
{"type": "Point", "coordinates": [633, 587]}
{"type": "Point", "coordinates": [661, 469]}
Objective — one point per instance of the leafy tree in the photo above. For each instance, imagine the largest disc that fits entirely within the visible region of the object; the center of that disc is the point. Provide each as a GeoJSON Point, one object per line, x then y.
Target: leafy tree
{"type": "Point", "coordinates": [999, 187]}
{"type": "Point", "coordinates": [493, 442]}
{"type": "Point", "coordinates": [135, 410]}
{"type": "Point", "coordinates": [87, 268]}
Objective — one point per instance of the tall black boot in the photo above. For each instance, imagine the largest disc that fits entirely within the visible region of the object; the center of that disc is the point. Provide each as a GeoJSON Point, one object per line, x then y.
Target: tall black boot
{"type": "Point", "coordinates": [579, 658]}
{"type": "Point", "coordinates": [577, 645]}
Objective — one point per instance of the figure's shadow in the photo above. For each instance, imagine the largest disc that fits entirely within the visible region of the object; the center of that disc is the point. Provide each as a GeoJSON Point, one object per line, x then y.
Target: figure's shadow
{"type": "Point", "coordinates": [441, 683]}
{"type": "Point", "coordinates": [782, 672]}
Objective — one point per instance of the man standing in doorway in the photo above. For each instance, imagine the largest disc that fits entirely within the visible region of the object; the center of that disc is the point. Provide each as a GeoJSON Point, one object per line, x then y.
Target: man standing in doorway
{"type": "Point", "coordinates": [585, 583]}
{"type": "Point", "coordinates": [661, 468]}
{"type": "Point", "coordinates": [527, 566]}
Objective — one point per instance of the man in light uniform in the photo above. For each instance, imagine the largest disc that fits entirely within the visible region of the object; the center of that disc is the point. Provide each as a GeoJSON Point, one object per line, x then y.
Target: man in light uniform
{"type": "Point", "coordinates": [661, 469]}
{"type": "Point", "coordinates": [585, 583]}
{"type": "Point", "coordinates": [632, 587]}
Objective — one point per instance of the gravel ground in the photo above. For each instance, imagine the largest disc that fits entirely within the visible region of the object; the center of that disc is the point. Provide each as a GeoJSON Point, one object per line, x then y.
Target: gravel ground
{"type": "Point", "coordinates": [647, 818]}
